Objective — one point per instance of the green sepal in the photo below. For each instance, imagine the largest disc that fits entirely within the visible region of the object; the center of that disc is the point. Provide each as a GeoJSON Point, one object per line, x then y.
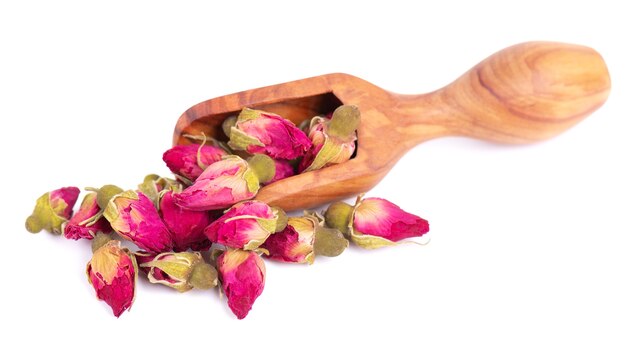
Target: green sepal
{"type": "Point", "coordinates": [248, 114]}
{"type": "Point", "coordinates": [253, 244]}
{"type": "Point", "coordinates": [263, 166]}
{"type": "Point", "coordinates": [240, 140]}
{"type": "Point", "coordinates": [252, 180]}
{"type": "Point", "coordinates": [104, 194]}
{"type": "Point", "coordinates": [329, 151]}
{"type": "Point", "coordinates": [281, 218]}
{"type": "Point", "coordinates": [370, 242]}
{"type": "Point", "coordinates": [268, 225]}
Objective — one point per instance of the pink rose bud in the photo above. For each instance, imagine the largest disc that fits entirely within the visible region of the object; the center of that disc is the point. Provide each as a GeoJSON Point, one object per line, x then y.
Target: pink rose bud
{"type": "Point", "coordinates": [226, 182]}
{"type": "Point", "coordinates": [133, 216]}
{"type": "Point", "coordinates": [112, 272]}
{"type": "Point", "coordinates": [181, 271]}
{"type": "Point", "coordinates": [261, 132]}
{"type": "Point", "coordinates": [375, 222]}
{"type": "Point", "coordinates": [186, 226]}
{"type": "Point", "coordinates": [87, 221]}
{"type": "Point", "coordinates": [246, 225]}
{"type": "Point", "coordinates": [333, 139]}
{"type": "Point", "coordinates": [188, 161]}
{"type": "Point", "coordinates": [284, 169]}
{"type": "Point", "coordinates": [242, 275]}
{"type": "Point", "coordinates": [295, 242]}
{"type": "Point", "coordinates": [52, 210]}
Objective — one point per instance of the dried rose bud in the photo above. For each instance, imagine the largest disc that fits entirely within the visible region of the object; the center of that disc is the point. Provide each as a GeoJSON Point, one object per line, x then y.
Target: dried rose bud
{"type": "Point", "coordinates": [87, 221]}
{"type": "Point", "coordinates": [52, 210]}
{"type": "Point", "coordinates": [133, 216]}
{"type": "Point", "coordinates": [333, 139]}
{"type": "Point", "coordinates": [246, 225]}
{"type": "Point", "coordinates": [186, 226]}
{"type": "Point", "coordinates": [375, 222]}
{"type": "Point", "coordinates": [181, 271]}
{"type": "Point", "coordinates": [261, 132]}
{"type": "Point", "coordinates": [153, 185]}
{"type": "Point", "coordinates": [226, 182]}
{"type": "Point", "coordinates": [112, 272]}
{"type": "Point", "coordinates": [188, 161]}
{"type": "Point", "coordinates": [284, 169]}
{"type": "Point", "coordinates": [242, 275]}
{"type": "Point", "coordinates": [295, 242]}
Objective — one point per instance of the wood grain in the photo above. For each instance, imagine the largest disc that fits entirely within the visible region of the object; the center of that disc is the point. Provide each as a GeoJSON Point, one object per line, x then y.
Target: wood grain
{"type": "Point", "coordinates": [522, 94]}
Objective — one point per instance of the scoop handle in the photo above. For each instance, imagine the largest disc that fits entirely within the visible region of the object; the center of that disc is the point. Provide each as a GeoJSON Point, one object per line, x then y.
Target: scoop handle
{"type": "Point", "coordinates": [521, 94]}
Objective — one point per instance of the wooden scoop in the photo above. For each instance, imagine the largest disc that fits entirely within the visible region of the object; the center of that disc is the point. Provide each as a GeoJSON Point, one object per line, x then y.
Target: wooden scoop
{"type": "Point", "coordinates": [522, 94]}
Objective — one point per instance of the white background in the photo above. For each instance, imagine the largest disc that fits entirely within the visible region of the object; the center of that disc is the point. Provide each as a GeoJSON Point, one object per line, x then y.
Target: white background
{"type": "Point", "coordinates": [528, 242]}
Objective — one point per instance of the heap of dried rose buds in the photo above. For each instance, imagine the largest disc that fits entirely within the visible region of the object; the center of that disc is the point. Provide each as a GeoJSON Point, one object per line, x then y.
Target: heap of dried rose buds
{"type": "Point", "coordinates": [186, 239]}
